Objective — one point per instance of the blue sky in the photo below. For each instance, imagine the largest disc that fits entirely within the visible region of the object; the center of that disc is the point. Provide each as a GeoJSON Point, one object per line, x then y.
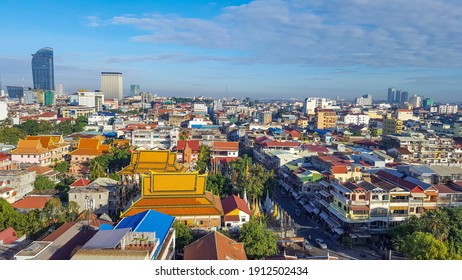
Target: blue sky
{"type": "Point", "coordinates": [261, 48]}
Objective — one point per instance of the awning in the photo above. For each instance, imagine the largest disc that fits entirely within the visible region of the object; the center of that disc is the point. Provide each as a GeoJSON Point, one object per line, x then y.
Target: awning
{"type": "Point", "coordinates": [308, 208]}
{"type": "Point", "coordinates": [363, 235]}
{"type": "Point", "coordinates": [329, 221]}
{"type": "Point", "coordinates": [324, 193]}
{"type": "Point", "coordinates": [399, 208]}
{"type": "Point", "coordinates": [359, 207]}
{"type": "Point", "coordinates": [324, 215]}
{"type": "Point", "coordinates": [338, 230]}
{"type": "Point", "coordinates": [418, 195]}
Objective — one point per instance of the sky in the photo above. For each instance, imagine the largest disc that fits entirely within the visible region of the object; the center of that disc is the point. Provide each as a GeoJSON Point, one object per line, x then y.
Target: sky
{"type": "Point", "coordinates": [259, 49]}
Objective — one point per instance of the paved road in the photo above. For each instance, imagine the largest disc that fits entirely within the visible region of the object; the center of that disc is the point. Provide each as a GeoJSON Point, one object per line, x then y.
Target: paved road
{"type": "Point", "coordinates": [309, 228]}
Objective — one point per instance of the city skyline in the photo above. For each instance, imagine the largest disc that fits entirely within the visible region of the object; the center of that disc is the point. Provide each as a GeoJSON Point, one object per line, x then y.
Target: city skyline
{"type": "Point", "coordinates": [268, 48]}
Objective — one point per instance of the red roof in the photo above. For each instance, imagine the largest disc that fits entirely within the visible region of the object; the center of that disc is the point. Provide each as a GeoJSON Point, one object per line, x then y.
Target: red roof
{"type": "Point", "coordinates": [339, 169]}
{"type": "Point", "coordinates": [193, 144]}
{"type": "Point", "coordinates": [316, 148]}
{"type": "Point", "coordinates": [31, 202]}
{"type": "Point", "coordinates": [5, 190]}
{"type": "Point", "coordinates": [232, 203]}
{"type": "Point", "coordinates": [215, 246]}
{"type": "Point", "coordinates": [58, 232]}
{"type": "Point", "coordinates": [80, 183]}
{"type": "Point", "coordinates": [4, 157]}
{"type": "Point", "coordinates": [225, 146]}
{"type": "Point", "coordinates": [8, 236]}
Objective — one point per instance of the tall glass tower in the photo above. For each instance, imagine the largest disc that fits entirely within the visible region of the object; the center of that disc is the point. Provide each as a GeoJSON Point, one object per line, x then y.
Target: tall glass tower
{"type": "Point", "coordinates": [43, 69]}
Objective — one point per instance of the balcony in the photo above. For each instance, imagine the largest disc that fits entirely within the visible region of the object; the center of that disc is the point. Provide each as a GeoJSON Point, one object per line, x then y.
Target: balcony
{"type": "Point", "coordinates": [358, 202]}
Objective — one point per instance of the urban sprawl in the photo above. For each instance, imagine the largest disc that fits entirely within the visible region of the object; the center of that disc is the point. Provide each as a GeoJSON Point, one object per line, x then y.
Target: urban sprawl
{"type": "Point", "coordinates": [98, 175]}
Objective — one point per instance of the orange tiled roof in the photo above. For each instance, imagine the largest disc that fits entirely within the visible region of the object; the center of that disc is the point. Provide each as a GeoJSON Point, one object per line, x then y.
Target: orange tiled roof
{"type": "Point", "coordinates": [91, 147]}
{"type": "Point", "coordinates": [215, 246]}
{"type": "Point", "coordinates": [225, 146]}
{"type": "Point", "coordinates": [197, 205]}
{"type": "Point", "coordinates": [31, 202]}
{"type": "Point", "coordinates": [39, 170]}
{"type": "Point", "coordinates": [29, 147]}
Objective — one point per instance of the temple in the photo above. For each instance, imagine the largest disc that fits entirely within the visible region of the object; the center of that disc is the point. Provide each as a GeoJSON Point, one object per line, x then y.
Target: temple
{"type": "Point", "coordinates": [166, 187]}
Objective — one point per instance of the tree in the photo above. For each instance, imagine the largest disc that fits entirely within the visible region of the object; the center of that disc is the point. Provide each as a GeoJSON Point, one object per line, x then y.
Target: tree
{"type": "Point", "coordinates": [65, 128]}
{"type": "Point", "coordinates": [219, 185]}
{"type": "Point", "coordinates": [97, 169]}
{"type": "Point", "coordinates": [259, 241]}
{"type": "Point", "coordinates": [62, 167]}
{"type": "Point", "coordinates": [30, 127]}
{"type": "Point", "coordinates": [43, 183]}
{"type": "Point", "coordinates": [80, 123]}
{"type": "Point", "coordinates": [204, 159]}
{"type": "Point", "coordinates": [11, 135]}
{"type": "Point", "coordinates": [114, 176]}
{"type": "Point", "coordinates": [183, 235]}
{"type": "Point", "coordinates": [258, 181]}
{"type": "Point", "coordinates": [72, 210]}
{"type": "Point", "coordinates": [54, 211]}
{"type": "Point", "coordinates": [424, 246]}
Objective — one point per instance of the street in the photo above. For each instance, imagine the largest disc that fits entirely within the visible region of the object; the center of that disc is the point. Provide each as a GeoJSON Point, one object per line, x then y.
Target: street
{"type": "Point", "coordinates": [307, 227]}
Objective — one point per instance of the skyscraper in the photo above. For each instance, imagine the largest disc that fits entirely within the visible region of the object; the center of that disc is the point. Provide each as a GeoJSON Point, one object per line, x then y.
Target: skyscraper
{"type": "Point", "coordinates": [391, 95]}
{"type": "Point", "coordinates": [111, 85]}
{"type": "Point", "coordinates": [134, 90]}
{"type": "Point", "coordinates": [404, 97]}
{"type": "Point", "coordinates": [43, 69]}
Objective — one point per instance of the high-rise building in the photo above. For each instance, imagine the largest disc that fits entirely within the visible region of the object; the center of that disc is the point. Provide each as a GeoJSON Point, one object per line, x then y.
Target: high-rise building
{"type": "Point", "coordinates": [391, 95]}
{"type": "Point", "coordinates": [59, 89]}
{"type": "Point", "coordinates": [447, 109]}
{"type": "Point", "coordinates": [311, 103]}
{"type": "Point", "coordinates": [404, 97]}
{"type": "Point", "coordinates": [365, 100]}
{"type": "Point", "coordinates": [15, 92]}
{"type": "Point", "coordinates": [43, 69]}
{"type": "Point", "coordinates": [427, 103]}
{"type": "Point", "coordinates": [134, 90]}
{"type": "Point", "coordinates": [416, 101]}
{"type": "Point", "coordinates": [94, 99]}
{"type": "Point", "coordinates": [111, 85]}
{"type": "Point", "coordinates": [397, 97]}
{"type": "Point", "coordinates": [325, 118]}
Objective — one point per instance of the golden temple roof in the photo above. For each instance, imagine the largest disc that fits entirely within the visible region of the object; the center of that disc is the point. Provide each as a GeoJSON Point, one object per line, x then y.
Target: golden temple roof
{"type": "Point", "coordinates": [144, 162]}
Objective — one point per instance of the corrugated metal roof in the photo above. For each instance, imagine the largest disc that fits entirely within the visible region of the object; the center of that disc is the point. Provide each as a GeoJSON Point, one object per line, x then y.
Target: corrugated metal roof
{"type": "Point", "coordinates": [148, 221]}
{"type": "Point", "coordinates": [106, 239]}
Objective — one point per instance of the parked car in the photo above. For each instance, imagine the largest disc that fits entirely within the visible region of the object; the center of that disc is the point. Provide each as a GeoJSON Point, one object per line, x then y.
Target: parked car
{"type": "Point", "coordinates": [321, 243]}
{"type": "Point", "coordinates": [307, 245]}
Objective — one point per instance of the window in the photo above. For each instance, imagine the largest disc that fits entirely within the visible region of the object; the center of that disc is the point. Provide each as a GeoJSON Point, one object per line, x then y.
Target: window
{"type": "Point", "coordinates": [362, 196]}
{"type": "Point", "coordinates": [375, 197]}
{"type": "Point", "coordinates": [99, 196]}
{"type": "Point", "coordinates": [75, 196]}
{"type": "Point", "coordinates": [243, 219]}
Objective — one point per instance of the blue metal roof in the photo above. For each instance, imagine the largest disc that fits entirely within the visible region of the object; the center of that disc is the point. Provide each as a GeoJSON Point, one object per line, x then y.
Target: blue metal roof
{"type": "Point", "coordinates": [148, 221]}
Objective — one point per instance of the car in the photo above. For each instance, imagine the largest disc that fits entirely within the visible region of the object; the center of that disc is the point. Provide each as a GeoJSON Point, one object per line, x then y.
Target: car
{"type": "Point", "coordinates": [307, 245]}
{"type": "Point", "coordinates": [321, 243]}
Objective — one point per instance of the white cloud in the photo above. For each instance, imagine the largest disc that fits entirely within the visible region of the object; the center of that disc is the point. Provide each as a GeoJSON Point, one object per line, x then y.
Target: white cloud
{"type": "Point", "coordinates": [419, 33]}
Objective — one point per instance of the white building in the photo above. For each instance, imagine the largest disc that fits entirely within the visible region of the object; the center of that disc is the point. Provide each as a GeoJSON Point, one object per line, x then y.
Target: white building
{"type": "Point", "coordinates": [112, 85]}
{"type": "Point", "coordinates": [93, 99]}
{"type": "Point", "coordinates": [311, 103]}
{"type": "Point", "coordinates": [3, 110]}
{"type": "Point", "coordinates": [365, 100]}
{"type": "Point", "coordinates": [357, 119]}
{"type": "Point", "coordinates": [416, 101]}
{"type": "Point", "coordinates": [151, 138]}
{"type": "Point", "coordinates": [447, 109]}
{"type": "Point", "coordinates": [198, 122]}
{"type": "Point", "coordinates": [199, 108]}
{"type": "Point", "coordinates": [30, 96]}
